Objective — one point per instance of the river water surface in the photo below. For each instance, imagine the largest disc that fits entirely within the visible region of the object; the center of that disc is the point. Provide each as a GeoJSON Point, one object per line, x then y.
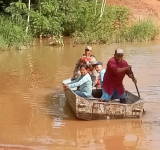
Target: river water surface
{"type": "Point", "coordinates": [34, 116]}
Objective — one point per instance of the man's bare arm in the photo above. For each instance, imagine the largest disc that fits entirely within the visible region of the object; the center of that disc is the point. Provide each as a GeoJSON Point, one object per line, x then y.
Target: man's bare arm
{"type": "Point", "coordinates": [123, 69]}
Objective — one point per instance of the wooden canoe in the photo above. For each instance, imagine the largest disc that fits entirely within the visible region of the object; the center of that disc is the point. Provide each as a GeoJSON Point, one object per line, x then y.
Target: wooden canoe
{"type": "Point", "coordinates": [91, 109]}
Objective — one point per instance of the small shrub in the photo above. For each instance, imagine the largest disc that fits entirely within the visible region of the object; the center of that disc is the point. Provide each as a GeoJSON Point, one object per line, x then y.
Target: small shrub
{"type": "Point", "coordinates": [12, 35]}
{"type": "Point", "coordinates": [143, 30]}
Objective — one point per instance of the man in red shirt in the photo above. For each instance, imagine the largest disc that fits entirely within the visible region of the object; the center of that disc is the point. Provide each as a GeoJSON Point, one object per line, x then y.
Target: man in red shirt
{"type": "Point", "coordinates": [112, 85]}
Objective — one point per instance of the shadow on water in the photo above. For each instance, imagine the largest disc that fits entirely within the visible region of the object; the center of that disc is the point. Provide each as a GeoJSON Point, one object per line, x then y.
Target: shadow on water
{"type": "Point", "coordinates": [58, 108]}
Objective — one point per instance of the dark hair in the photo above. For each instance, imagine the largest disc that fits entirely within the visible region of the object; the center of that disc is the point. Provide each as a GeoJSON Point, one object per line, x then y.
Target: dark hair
{"type": "Point", "coordinates": [84, 66]}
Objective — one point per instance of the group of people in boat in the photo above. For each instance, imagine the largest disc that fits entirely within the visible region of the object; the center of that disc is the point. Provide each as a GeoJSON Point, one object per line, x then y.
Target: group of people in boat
{"type": "Point", "coordinates": [89, 73]}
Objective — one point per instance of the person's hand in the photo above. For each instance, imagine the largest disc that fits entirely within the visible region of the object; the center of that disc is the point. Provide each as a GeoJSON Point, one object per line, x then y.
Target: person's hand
{"type": "Point", "coordinates": [65, 86]}
{"type": "Point", "coordinates": [134, 80]}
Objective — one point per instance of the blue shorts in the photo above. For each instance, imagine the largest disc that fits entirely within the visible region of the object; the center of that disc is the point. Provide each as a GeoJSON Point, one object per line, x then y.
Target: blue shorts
{"type": "Point", "coordinates": [115, 95]}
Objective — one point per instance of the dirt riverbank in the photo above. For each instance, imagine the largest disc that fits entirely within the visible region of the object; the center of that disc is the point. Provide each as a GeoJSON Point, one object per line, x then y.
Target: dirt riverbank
{"type": "Point", "coordinates": [141, 8]}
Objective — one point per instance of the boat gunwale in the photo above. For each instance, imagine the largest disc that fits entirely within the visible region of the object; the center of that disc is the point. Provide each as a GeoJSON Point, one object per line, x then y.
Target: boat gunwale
{"type": "Point", "coordinates": [140, 100]}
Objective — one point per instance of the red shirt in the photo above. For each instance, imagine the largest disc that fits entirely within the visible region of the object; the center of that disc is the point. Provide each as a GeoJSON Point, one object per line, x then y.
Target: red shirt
{"type": "Point", "coordinates": [113, 80]}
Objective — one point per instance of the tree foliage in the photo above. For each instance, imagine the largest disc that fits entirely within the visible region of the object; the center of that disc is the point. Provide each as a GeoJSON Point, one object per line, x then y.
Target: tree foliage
{"type": "Point", "coordinates": [81, 19]}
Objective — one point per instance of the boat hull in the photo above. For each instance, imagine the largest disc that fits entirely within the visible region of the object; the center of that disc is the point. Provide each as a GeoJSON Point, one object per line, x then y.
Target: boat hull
{"type": "Point", "coordinates": [91, 109]}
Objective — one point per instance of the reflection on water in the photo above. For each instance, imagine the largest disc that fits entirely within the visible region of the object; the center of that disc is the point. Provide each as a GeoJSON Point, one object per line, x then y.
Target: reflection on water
{"type": "Point", "coordinates": [34, 116]}
{"type": "Point", "coordinates": [110, 135]}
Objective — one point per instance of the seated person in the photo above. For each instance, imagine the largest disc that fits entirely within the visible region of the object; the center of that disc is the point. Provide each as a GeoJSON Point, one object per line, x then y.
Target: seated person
{"type": "Point", "coordinates": [84, 82]}
{"type": "Point", "coordinates": [99, 68]}
{"type": "Point", "coordinates": [94, 74]}
{"type": "Point", "coordinates": [85, 59]}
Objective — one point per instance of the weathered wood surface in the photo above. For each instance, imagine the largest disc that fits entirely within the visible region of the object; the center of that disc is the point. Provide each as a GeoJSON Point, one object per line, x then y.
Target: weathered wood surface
{"type": "Point", "coordinates": [93, 110]}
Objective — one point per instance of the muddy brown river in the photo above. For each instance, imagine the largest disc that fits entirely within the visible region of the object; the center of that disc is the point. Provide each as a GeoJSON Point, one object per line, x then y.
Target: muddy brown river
{"type": "Point", "coordinates": [34, 114]}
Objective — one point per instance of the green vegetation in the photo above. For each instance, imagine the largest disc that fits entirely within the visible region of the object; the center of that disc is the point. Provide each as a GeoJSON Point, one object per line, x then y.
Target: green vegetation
{"type": "Point", "coordinates": [143, 30]}
{"type": "Point", "coordinates": [114, 27]}
{"type": "Point", "coordinates": [12, 35]}
{"type": "Point", "coordinates": [105, 29]}
{"type": "Point", "coordinates": [87, 21]}
{"type": "Point", "coordinates": [13, 29]}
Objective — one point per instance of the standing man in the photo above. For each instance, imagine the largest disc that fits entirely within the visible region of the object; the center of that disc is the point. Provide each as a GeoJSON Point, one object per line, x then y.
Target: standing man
{"type": "Point", "coordinates": [112, 85]}
{"type": "Point", "coordinates": [85, 59]}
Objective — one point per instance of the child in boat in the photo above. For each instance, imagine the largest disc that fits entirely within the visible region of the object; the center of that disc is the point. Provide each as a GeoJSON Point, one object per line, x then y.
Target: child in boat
{"type": "Point", "coordinates": [93, 73]}
{"type": "Point", "coordinates": [84, 82]}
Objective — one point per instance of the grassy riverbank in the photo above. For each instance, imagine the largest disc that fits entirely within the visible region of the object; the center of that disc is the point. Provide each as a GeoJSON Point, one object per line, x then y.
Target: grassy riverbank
{"type": "Point", "coordinates": [115, 26]}
{"type": "Point", "coordinates": [140, 31]}
{"type": "Point", "coordinates": [13, 36]}
{"type": "Point", "coordinates": [85, 21]}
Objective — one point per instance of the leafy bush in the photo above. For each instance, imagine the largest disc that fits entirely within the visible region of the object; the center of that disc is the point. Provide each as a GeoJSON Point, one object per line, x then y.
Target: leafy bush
{"type": "Point", "coordinates": [114, 27]}
{"type": "Point", "coordinates": [46, 21]}
{"type": "Point", "coordinates": [143, 30]}
{"type": "Point", "coordinates": [105, 29]}
{"type": "Point", "coordinates": [84, 20]}
{"type": "Point", "coordinates": [12, 35]}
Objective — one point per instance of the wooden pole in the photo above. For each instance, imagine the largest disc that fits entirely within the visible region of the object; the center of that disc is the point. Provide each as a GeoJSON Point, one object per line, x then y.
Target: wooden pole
{"type": "Point", "coordinates": [29, 7]}
{"type": "Point", "coordinates": [135, 84]}
{"type": "Point", "coordinates": [102, 8]}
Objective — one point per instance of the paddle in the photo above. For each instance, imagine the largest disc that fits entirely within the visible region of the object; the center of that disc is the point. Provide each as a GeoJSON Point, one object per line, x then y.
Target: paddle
{"type": "Point", "coordinates": [135, 84]}
{"type": "Point", "coordinates": [137, 90]}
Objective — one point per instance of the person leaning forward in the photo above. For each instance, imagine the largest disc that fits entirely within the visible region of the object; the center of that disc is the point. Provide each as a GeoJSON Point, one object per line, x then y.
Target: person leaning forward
{"type": "Point", "coordinates": [112, 85]}
{"type": "Point", "coordinates": [84, 82]}
{"type": "Point", "coordinates": [85, 59]}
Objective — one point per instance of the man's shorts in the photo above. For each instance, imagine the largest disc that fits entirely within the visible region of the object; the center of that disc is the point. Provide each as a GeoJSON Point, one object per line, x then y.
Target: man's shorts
{"type": "Point", "coordinates": [115, 95]}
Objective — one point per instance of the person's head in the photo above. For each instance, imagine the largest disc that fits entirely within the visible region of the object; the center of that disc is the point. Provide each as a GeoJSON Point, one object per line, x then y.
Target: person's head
{"type": "Point", "coordinates": [84, 69]}
{"type": "Point", "coordinates": [88, 50]}
{"type": "Point", "coordinates": [92, 65]}
{"type": "Point", "coordinates": [119, 55]}
{"type": "Point", "coordinates": [99, 67]}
